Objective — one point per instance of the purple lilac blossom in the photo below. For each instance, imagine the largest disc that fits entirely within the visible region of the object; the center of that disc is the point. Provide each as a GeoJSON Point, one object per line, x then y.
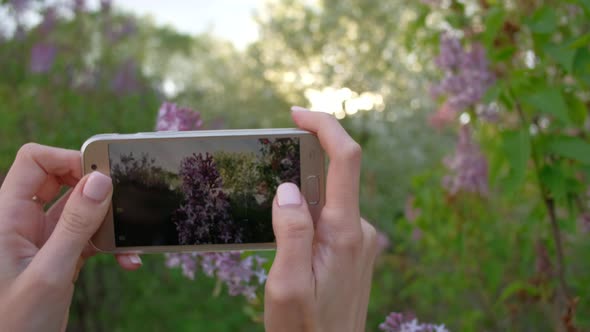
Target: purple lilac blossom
{"type": "Point", "coordinates": [105, 6]}
{"type": "Point", "coordinates": [126, 80]}
{"type": "Point", "coordinates": [175, 118]}
{"type": "Point", "coordinates": [383, 242]}
{"type": "Point", "coordinates": [79, 6]}
{"type": "Point", "coordinates": [117, 32]}
{"type": "Point", "coordinates": [584, 221]}
{"type": "Point", "coordinates": [396, 322]}
{"type": "Point", "coordinates": [42, 57]}
{"type": "Point", "coordinates": [410, 211]}
{"type": "Point", "coordinates": [204, 215]}
{"type": "Point", "coordinates": [468, 166]}
{"type": "Point", "coordinates": [19, 6]}
{"type": "Point", "coordinates": [49, 21]}
{"type": "Point", "coordinates": [467, 76]}
{"type": "Point", "coordinates": [242, 276]}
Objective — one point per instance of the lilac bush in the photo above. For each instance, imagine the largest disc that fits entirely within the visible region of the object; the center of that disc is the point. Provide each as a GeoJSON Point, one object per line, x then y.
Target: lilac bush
{"type": "Point", "coordinates": [242, 276]}
{"type": "Point", "coordinates": [397, 322]}
{"type": "Point", "coordinates": [203, 217]}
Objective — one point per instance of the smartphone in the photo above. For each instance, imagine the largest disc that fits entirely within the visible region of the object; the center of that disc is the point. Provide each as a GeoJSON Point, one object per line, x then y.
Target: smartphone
{"type": "Point", "coordinates": [200, 190]}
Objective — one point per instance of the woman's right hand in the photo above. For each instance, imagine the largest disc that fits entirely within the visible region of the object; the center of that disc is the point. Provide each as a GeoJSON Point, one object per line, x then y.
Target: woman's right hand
{"type": "Point", "coordinates": [320, 279]}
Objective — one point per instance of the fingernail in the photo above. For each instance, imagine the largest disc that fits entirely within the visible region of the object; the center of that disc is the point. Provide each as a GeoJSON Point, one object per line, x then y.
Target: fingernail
{"type": "Point", "coordinates": [97, 187]}
{"type": "Point", "coordinates": [288, 194]}
{"type": "Point", "coordinates": [135, 259]}
{"type": "Point", "coordinates": [299, 109]}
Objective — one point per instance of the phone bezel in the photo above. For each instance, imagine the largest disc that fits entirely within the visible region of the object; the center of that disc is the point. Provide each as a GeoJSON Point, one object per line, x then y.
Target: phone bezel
{"type": "Point", "coordinates": [95, 152]}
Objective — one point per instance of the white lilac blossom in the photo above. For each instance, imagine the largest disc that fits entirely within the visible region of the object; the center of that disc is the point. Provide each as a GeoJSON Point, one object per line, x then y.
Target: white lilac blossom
{"type": "Point", "coordinates": [468, 166]}
{"type": "Point", "coordinates": [241, 275]}
{"type": "Point", "coordinates": [467, 77]}
{"type": "Point", "coordinates": [396, 322]}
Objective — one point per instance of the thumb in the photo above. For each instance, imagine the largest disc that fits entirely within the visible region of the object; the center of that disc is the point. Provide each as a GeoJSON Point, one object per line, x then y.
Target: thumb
{"type": "Point", "coordinates": [293, 228]}
{"type": "Point", "coordinates": [83, 214]}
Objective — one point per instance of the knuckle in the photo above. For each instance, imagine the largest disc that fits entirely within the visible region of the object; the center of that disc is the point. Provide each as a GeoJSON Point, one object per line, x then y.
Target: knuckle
{"type": "Point", "coordinates": [350, 241]}
{"type": "Point", "coordinates": [295, 226]}
{"type": "Point", "coordinates": [27, 149]}
{"type": "Point", "coordinates": [370, 238]}
{"type": "Point", "coordinates": [283, 293]}
{"type": "Point", "coordinates": [75, 222]}
{"type": "Point", "coordinates": [351, 151]}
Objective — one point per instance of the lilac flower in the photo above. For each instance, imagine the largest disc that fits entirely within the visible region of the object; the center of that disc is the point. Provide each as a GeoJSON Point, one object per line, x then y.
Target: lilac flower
{"type": "Point", "coordinates": [121, 31]}
{"type": "Point", "coordinates": [467, 75]}
{"type": "Point", "coordinates": [49, 21]}
{"type": "Point", "coordinates": [19, 6]}
{"type": "Point", "coordinates": [172, 117]}
{"type": "Point", "coordinates": [105, 6]}
{"type": "Point", "coordinates": [411, 213]}
{"type": "Point", "coordinates": [79, 6]}
{"type": "Point", "coordinates": [204, 216]}
{"type": "Point", "coordinates": [126, 80]}
{"type": "Point", "coordinates": [584, 221]}
{"type": "Point", "coordinates": [42, 57]}
{"type": "Point", "coordinates": [383, 242]}
{"type": "Point", "coordinates": [396, 322]}
{"type": "Point", "coordinates": [241, 276]}
{"type": "Point", "coordinates": [468, 167]}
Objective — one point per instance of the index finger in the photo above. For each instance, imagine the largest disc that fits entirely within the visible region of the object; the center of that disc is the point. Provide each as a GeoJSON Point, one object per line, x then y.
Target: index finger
{"type": "Point", "coordinates": [35, 164]}
{"type": "Point", "coordinates": [342, 188]}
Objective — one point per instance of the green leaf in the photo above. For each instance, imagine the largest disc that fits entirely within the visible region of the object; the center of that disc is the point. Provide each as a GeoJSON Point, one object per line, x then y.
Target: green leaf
{"type": "Point", "coordinates": [562, 55]}
{"type": "Point", "coordinates": [570, 147]}
{"type": "Point", "coordinates": [554, 180]}
{"type": "Point", "coordinates": [586, 5]}
{"type": "Point", "coordinates": [582, 41]}
{"type": "Point", "coordinates": [515, 287]}
{"type": "Point", "coordinates": [578, 112]}
{"type": "Point", "coordinates": [548, 100]}
{"type": "Point", "coordinates": [582, 65]}
{"type": "Point", "coordinates": [517, 149]}
{"type": "Point", "coordinates": [543, 21]}
{"type": "Point", "coordinates": [493, 93]}
{"type": "Point", "coordinates": [503, 53]}
{"type": "Point", "coordinates": [493, 23]}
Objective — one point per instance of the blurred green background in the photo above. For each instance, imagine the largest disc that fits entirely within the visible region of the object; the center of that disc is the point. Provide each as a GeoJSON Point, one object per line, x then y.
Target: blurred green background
{"type": "Point", "coordinates": [72, 69]}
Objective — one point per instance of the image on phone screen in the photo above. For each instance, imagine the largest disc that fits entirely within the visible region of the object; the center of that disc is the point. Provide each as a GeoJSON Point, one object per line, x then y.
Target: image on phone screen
{"type": "Point", "coordinates": [189, 191]}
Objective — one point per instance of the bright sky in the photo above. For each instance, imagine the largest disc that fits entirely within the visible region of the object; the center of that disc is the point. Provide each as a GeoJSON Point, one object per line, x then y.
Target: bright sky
{"type": "Point", "coordinates": [228, 19]}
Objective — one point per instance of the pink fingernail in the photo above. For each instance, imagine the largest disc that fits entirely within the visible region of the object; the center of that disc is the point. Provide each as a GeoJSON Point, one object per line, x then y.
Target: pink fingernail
{"type": "Point", "coordinates": [288, 194]}
{"type": "Point", "coordinates": [299, 109]}
{"type": "Point", "coordinates": [135, 259]}
{"type": "Point", "coordinates": [97, 187]}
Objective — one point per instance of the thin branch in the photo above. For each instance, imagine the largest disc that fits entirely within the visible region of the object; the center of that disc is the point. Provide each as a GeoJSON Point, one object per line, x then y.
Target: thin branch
{"type": "Point", "coordinates": [550, 206]}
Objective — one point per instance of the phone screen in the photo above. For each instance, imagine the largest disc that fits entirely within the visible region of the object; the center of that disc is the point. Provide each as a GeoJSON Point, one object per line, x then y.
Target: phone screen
{"type": "Point", "coordinates": [188, 191]}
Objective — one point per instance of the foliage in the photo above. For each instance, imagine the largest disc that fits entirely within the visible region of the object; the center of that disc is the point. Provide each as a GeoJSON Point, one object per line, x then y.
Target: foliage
{"type": "Point", "coordinates": [501, 244]}
{"type": "Point", "coordinates": [278, 163]}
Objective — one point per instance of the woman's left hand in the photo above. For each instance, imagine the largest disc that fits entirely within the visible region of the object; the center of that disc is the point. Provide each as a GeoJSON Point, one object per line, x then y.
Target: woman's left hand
{"type": "Point", "coordinates": [41, 252]}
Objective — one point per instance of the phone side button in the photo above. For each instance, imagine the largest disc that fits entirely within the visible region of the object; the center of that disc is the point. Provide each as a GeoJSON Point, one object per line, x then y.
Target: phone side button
{"type": "Point", "coordinates": [312, 190]}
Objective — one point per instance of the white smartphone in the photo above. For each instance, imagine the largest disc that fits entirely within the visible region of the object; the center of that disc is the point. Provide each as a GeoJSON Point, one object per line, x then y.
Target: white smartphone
{"type": "Point", "coordinates": [200, 190]}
